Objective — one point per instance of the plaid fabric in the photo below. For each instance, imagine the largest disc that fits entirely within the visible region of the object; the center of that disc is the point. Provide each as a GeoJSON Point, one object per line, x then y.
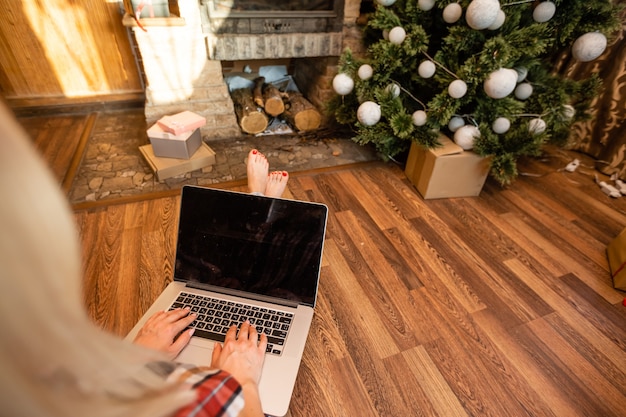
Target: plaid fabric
{"type": "Point", "coordinates": [218, 393]}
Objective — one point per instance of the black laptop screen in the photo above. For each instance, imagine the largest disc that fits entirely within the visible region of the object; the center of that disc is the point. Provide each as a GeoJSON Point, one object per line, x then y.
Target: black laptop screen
{"type": "Point", "coordinates": [265, 246]}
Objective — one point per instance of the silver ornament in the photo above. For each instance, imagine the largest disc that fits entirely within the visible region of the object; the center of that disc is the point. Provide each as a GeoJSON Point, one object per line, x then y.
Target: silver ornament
{"type": "Point", "coordinates": [452, 13]}
{"type": "Point", "coordinates": [497, 24]}
{"type": "Point", "coordinates": [523, 91]}
{"type": "Point", "coordinates": [589, 46]}
{"type": "Point", "coordinates": [365, 72]}
{"type": "Point", "coordinates": [500, 83]}
{"type": "Point", "coordinates": [544, 12]}
{"type": "Point", "coordinates": [426, 69]}
{"type": "Point", "coordinates": [481, 14]}
{"type": "Point", "coordinates": [465, 136]}
{"type": "Point", "coordinates": [343, 84]}
{"type": "Point", "coordinates": [426, 5]}
{"type": "Point", "coordinates": [368, 113]}
{"type": "Point", "coordinates": [536, 126]}
{"type": "Point", "coordinates": [394, 89]}
{"type": "Point", "coordinates": [419, 118]}
{"type": "Point", "coordinates": [455, 123]}
{"type": "Point", "coordinates": [457, 89]}
{"type": "Point", "coordinates": [501, 125]}
{"type": "Point", "coordinates": [397, 35]}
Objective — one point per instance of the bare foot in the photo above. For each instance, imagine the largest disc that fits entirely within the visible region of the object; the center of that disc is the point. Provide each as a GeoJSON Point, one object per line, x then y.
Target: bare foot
{"type": "Point", "coordinates": [257, 170]}
{"type": "Point", "coordinates": [276, 183]}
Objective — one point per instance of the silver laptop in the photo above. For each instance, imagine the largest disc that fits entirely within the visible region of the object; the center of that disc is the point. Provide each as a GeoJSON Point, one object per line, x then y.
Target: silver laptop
{"type": "Point", "coordinates": [242, 256]}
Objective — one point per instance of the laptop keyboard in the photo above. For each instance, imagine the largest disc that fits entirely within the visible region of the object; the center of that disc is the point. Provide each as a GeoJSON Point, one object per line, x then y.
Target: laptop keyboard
{"type": "Point", "coordinates": [215, 316]}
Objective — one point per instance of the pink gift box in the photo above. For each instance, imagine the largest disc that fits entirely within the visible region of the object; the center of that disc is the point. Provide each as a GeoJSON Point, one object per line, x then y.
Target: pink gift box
{"type": "Point", "coordinates": [181, 122]}
{"type": "Point", "coordinates": [169, 145]}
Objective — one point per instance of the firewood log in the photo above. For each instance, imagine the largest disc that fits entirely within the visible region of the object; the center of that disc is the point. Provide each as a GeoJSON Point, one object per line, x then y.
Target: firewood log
{"type": "Point", "coordinates": [301, 114]}
{"type": "Point", "coordinates": [251, 117]}
{"type": "Point", "coordinates": [257, 91]}
{"type": "Point", "coordinates": [274, 105]}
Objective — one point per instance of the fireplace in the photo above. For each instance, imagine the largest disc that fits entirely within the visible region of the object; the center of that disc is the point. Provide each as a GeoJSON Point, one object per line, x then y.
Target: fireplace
{"type": "Point", "coordinates": [271, 16]}
{"type": "Point", "coordinates": [185, 64]}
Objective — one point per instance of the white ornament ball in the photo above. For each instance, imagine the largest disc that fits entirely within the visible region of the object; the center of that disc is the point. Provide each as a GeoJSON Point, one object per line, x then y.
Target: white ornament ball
{"type": "Point", "coordinates": [544, 12]}
{"type": "Point", "coordinates": [365, 72]}
{"type": "Point", "coordinates": [501, 125]}
{"type": "Point", "coordinates": [343, 84]}
{"type": "Point", "coordinates": [523, 91]}
{"type": "Point", "coordinates": [452, 13]}
{"type": "Point", "coordinates": [394, 89]}
{"type": "Point", "coordinates": [397, 35]}
{"type": "Point", "coordinates": [419, 118]}
{"type": "Point", "coordinates": [481, 14]}
{"type": "Point", "coordinates": [457, 89]}
{"type": "Point", "coordinates": [589, 46]}
{"type": "Point", "coordinates": [522, 72]}
{"type": "Point", "coordinates": [368, 113]}
{"type": "Point", "coordinates": [536, 126]}
{"type": "Point", "coordinates": [385, 3]}
{"type": "Point", "coordinates": [426, 5]}
{"type": "Point", "coordinates": [455, 123]}
{"type": "Point", "coordinates": [465, 136]}
{"type": "Point", "coordinates": [497, 24]}
{"type": "Point", "coordinates": [500, 83]}
{"type": "Point", "coordinates": [426, 69]}
{"type": "Point", "coordinates": [568, 111]}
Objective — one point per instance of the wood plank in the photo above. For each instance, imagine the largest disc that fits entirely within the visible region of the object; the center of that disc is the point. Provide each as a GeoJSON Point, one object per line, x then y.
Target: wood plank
{"type": "Point", "coordinates": [442, 399]}
{"type": "Point", "coordinates": [60, 140]}
{"type": "Point", "coordinates": [577, 321]}
{"type": "Point", "coordinates": [551, 399]}
{"type": "Point", "coordinates": [553, 356]}
{"type": "Point", "coordinates": [414, 391]}
{"type": "Point", "coordinates": [384, 289]}
{"type": "Point", "coordinates": [346, 286]}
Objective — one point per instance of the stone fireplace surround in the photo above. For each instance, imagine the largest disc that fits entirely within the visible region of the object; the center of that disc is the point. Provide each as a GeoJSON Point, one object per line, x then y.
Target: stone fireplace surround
{"type": "Point", "coordinates": [183, 67]}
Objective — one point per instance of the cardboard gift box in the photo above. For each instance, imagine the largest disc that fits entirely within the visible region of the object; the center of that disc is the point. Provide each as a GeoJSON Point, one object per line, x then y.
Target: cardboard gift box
{"type": "Point", "coordinates": [181, 122]}
{"type": "Point", "coordinates": [170, 167]}
{"type": "Point", "coordinates": [169, 145]}
{"type": "Point", "coordinates": [446, 171]}
{"type": "Point", "coordinates": [616, 252]}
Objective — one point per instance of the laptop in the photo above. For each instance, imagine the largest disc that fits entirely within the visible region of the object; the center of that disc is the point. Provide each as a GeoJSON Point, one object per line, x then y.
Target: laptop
{"type": "Point", "coordinates": [242, 256]}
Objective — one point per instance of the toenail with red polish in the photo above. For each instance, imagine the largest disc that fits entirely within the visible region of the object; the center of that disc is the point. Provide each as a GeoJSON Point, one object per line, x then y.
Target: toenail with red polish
{"type": "Point", "coordinates": [284, 174]}
{"type": "Point", "coordinates": [254, 151]}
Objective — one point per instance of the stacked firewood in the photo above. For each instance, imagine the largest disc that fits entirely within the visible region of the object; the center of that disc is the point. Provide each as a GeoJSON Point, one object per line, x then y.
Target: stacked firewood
{"type": "Point", "coordinates": [257, 105]}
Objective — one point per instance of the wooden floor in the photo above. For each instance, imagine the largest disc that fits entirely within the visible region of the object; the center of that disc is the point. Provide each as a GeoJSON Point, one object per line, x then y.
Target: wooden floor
{"type": "Point", "coordinates": [500, 305]}
{"type": "Point", "coordinates": [61, 140]}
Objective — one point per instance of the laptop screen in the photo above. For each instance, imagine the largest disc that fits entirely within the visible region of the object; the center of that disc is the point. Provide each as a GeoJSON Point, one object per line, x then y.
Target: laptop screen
{"type": "Point", "coordinates": [242, 242]}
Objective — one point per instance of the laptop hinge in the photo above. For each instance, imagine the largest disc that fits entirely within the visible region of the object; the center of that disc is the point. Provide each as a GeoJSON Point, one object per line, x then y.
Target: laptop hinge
{"type": "Point", "coordinates": [242, 294]}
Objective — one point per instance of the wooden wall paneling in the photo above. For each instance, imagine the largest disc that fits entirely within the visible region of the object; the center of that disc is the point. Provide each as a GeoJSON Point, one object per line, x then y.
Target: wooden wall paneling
{"type": "Point", "coordinates": [65, 48]}
{"type": "Point", "coordinates": [23, 61]}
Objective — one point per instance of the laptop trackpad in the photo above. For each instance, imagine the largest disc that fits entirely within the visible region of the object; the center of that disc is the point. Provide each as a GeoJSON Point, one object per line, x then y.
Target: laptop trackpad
{"type": "Point", "coordinates": [197, 352]}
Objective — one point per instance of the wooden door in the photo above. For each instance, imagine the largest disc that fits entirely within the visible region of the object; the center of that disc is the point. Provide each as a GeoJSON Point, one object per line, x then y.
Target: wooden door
{"type": "Point", "coordinates": [64, 50]}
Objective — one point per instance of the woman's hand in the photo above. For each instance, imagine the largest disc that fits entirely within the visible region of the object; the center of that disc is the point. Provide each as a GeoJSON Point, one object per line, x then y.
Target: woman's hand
{"type": "Point", "coordinates": [242, 355]}
{"type": "Point", "coordinates": [162, 331]}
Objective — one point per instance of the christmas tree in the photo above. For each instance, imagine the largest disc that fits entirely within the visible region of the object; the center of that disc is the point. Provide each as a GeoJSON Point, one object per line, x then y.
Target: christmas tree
{"type": "Point", "coordinates": [479, 71]}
